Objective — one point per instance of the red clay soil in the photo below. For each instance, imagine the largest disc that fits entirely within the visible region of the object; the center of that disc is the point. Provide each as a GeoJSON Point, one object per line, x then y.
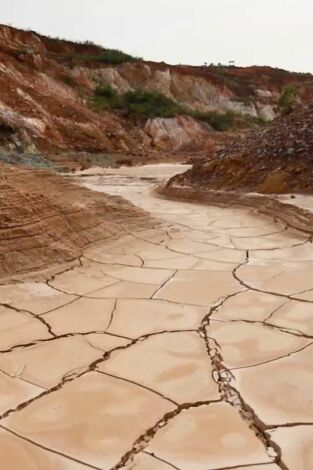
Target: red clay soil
{"type": "Point", "coordinates": [43, 104]}
{"type": "Point", "coordinates": [47, 220]}
{"type": "Point", "coordinates": [276, 160]}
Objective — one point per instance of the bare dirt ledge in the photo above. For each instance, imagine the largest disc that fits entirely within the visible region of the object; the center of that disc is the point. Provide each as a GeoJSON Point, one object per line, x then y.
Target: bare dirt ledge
{"type": "Point", "coordinates": [294, 216]}
{"type": "Point", "coordinates": [46, 221]}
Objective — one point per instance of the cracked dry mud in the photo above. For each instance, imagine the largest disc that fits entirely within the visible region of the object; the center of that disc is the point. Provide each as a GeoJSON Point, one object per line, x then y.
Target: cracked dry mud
{"type": "Point", "coordinates": [188, 346]}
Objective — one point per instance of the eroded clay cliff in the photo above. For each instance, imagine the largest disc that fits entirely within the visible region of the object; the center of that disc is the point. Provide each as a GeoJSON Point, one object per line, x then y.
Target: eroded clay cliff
{"type": "Point", "coordinates": [47, 85]}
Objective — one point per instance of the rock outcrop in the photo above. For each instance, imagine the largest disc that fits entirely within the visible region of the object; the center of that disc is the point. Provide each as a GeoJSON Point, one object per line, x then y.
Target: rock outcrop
{"type": "Point", "coordinates": [178, 133]}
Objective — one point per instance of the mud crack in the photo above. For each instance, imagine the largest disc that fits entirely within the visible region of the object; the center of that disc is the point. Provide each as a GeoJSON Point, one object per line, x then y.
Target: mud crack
{"type": "Point", "coordinates": [143, 441]}
{"type": "Point", "coordinates": [225, 380]}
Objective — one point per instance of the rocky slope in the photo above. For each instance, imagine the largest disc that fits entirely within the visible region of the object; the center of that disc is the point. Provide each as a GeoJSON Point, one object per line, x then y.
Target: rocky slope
{"type": "Point", "coordinates": [40, 228]}
{"type": "Point", "coordinates": [46, 87]}
{"type": "Point", "coordinates": [277, 160]}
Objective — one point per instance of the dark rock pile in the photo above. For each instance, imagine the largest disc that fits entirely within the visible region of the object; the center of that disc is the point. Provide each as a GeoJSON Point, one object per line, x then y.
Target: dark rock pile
{"type": "Point", "coordinates": [290, 135]}
{"type": "Point", "coordinates": [276, 160]}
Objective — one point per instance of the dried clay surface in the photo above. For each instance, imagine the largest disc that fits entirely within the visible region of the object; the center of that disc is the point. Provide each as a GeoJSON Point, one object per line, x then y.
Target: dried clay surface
{"type": "Point", "coordinates": [186, 345]}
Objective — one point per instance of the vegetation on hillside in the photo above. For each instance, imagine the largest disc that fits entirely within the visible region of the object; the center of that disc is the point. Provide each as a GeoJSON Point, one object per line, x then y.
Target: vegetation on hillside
{"type": "Point", "coordinates": [219, 121]}
{"type": "Point", "coordinates": [151, 104]}
{"type": "Point", "coordinates": [288, 99]}
{"type": "Point", "coordinates": [107, 97]}
{"type": "Point", "coordinates": [106, 56]}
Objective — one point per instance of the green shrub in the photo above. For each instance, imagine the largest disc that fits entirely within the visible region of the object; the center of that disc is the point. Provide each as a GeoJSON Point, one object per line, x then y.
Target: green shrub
{"type": "Point", "coordinates": [288, 99]}
{"type": "Point", "coordinates": [106, 91]}
{"type": "Point", "coordinates": [107, 97]}
{"type": "Point", "coordinates": [150, 104]}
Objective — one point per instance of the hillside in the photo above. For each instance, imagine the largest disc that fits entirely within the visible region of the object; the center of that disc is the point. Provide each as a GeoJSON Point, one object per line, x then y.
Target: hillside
{"type": "Point", "coordinates": [277, 160]}
{"type": "Point", "coordinates": [48, 90]}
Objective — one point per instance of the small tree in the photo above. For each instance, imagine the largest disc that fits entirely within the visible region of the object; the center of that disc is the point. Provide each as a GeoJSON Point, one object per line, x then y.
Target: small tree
{"type": "Point", "coordinates": [288, 99]}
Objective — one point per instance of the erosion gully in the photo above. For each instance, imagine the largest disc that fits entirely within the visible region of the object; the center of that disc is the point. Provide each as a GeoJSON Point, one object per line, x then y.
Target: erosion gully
{"type": "Point", "coordinates": [187, 345]}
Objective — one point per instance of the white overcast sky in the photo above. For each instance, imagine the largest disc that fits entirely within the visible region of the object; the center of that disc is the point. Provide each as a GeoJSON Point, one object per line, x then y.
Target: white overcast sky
{"type": "Point", "coordinates": [251, 32]}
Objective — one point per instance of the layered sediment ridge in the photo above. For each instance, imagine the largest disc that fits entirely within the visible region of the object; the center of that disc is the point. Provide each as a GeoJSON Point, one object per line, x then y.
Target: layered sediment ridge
{"type": "Point", "coordinates": [47, 220]}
